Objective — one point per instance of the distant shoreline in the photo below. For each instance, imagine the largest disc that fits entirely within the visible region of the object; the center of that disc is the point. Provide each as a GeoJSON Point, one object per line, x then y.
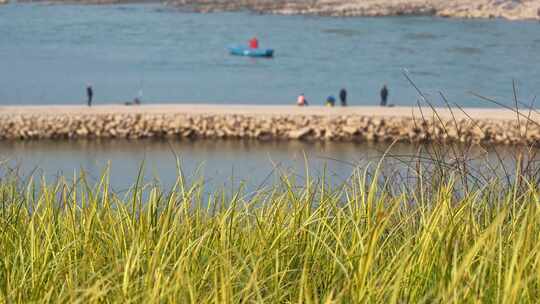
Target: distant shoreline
{"type": "Point", "coordinates": [479, 9]}
{"type": "Point", "coordinates": [313, 123]}
{"type": "Point", "coordinates": [89, 2]}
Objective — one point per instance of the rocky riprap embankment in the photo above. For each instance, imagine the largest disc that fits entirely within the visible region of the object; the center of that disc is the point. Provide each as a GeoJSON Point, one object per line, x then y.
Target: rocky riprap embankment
{"type": "Point", "coordinates": [509, 9]}
{"type": "Point", "coordinates": [301, 127]}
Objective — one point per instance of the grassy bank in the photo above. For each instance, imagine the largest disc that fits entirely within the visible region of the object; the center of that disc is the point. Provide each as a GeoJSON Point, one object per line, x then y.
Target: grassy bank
{"type": "Point", "coordinates": [371, 240]}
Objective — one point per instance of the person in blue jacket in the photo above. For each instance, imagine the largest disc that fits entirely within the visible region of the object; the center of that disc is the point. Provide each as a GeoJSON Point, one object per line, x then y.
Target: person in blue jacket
{"type": "Point", "coordinates": [330, 101]}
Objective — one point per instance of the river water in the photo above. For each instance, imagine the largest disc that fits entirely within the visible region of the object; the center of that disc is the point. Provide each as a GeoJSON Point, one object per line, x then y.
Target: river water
{"type": "Point", "coordinates": [230, 163]}
{"type": "Point", "coordinates": [48, 53]}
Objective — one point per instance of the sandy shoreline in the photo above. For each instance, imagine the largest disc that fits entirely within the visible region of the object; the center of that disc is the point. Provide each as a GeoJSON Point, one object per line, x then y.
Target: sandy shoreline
{"type": "Point", "coordinates": [253, 110]}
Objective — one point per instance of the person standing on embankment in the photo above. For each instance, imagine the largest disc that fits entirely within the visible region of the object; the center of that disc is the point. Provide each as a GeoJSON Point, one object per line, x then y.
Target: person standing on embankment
{"type": "Point", "coordinates": [343, 97]}
{"type": "Point", "coordinates": [384, 96]}
{"type": "Point", "coordinates": [89, 94]}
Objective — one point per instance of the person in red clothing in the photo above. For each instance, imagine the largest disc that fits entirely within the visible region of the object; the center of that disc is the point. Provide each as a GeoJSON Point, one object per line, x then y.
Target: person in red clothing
{"type": "Point", "coordinates": [254, 43]}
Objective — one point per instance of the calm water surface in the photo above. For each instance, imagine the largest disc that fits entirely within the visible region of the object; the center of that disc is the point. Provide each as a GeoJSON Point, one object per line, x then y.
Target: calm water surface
{"type": "Point", "coordinates": [48, 53]}
{"type": "Point", "coordinates": [221, 163]}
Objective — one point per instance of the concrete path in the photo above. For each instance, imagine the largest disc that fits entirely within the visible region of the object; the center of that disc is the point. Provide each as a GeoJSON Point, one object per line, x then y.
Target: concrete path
{"type": "Point", "coordinates": [252, 110]}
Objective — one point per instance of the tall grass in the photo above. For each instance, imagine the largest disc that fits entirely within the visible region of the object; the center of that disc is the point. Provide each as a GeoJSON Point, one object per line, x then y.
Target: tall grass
{"type": "Point", "coordinates": [369, 241]}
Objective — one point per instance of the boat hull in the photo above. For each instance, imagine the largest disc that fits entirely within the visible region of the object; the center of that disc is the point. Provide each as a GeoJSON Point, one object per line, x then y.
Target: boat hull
{"type": "Point", "coordinates": [243, 51]}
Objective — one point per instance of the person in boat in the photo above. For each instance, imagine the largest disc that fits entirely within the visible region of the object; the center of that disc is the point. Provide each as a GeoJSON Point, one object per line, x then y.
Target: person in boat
{"type": "Point", "coordinates": [384, 96]}
{"type": "Point", "coordinates": [301, 101]}
{"type": "Point", "coordinates": [343, 97]}
{"type": "Point", "coordinates": [330, 101]}
{"type": "Point", "coordinates": [254, 43]}
{"type": "Point", "coordinates": [89, 94]}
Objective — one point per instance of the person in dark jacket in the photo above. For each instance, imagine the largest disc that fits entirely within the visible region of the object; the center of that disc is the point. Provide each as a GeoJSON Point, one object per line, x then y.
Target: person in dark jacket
{"type": "Point", "coordinates": [89, 94]}
{"type": "Point", "coordinates": [343, 97]}
{"type": "Point", "coordinates": [384, 96]}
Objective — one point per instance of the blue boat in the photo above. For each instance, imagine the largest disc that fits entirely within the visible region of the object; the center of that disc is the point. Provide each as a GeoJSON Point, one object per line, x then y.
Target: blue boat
{"type": "Point", "coordinates": [246, 51]}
